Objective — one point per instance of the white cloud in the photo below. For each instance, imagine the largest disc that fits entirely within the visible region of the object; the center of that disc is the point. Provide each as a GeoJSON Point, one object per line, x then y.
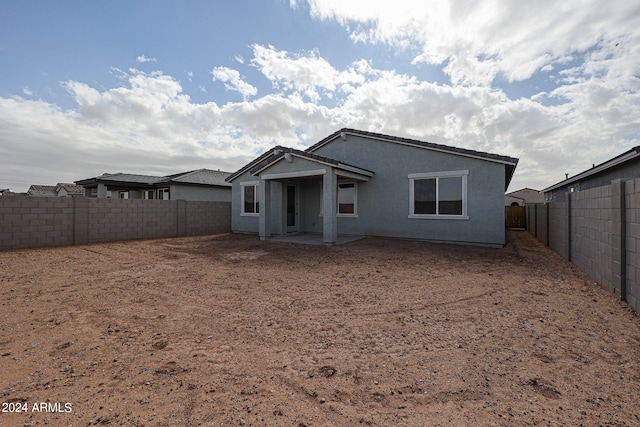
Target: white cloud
{"type": "Point", "coordinates": [142, 59]}
{"type": "Point", "coordinates": [149, 125]}
{"type": "Point", "coordinates": [478, 40]}
{"type": "Point", "coordinates": [307, 72]}
{"type": "Point", "coordinates": [232, 81]}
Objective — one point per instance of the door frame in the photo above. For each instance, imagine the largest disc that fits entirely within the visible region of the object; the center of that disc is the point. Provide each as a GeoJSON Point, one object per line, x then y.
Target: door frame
{"type": "Point", "coordinates": [295, 228]}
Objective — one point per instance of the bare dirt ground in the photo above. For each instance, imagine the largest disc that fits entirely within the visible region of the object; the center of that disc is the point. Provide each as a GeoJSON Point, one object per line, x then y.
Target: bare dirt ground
{"type": "Point", "coordinates": [230, 331]}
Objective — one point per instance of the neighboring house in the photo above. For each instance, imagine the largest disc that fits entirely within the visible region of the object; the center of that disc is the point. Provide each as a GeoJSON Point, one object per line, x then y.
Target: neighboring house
{"type": "Point", "coordinates": [526, 196]}
{"type": "Point", "coordinates": [201, 184]}
{"type": "Point", "coordinates": [59, 190]}
{"type": "Point", "coordinates": [624, 166]}
{"type": "Point", "coordinates": [368, 184]}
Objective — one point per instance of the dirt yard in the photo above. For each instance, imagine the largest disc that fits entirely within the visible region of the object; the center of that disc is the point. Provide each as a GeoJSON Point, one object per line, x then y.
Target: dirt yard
{"type": "Point", "coordinates": [230, 331]}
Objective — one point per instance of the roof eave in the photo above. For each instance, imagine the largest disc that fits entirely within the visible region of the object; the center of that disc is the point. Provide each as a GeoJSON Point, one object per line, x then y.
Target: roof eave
{"type": "Point", "coordinates": [624, 157]}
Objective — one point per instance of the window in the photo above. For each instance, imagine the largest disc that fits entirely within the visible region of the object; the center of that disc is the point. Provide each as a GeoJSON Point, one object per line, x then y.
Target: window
{"type": "Point", "coordinates": [249, 194]}
{"type": "Point", "coordinates": [123, 194]}
{"type": "Point", "coordinates": [163, 194]}
{"type": "Point", "coordinates": [347, 200]}
{"type": "Point", "coordinates": [438, 195]}
{"type": "Point", "coordinates": [148, 194]}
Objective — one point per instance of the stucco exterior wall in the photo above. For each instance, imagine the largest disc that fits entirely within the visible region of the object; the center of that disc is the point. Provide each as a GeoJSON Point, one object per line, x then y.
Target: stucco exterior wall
{"type": "Point", "coordinates": [240, 223]}
{"type": "Point", "coordinates": [201, 193]}
{"type": "Point", "coordinates": [383, 202]}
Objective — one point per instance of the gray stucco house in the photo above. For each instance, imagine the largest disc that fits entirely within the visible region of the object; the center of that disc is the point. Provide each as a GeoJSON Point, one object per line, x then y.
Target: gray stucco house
{"type": "Point", "coordinates": [201, 184]}
{"type": "Point", "coordinates": [368, 184]}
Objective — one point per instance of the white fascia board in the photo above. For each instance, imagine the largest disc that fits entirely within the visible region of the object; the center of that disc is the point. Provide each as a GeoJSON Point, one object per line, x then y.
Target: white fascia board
{"type": "Point", "coordinates": [299, 174]}
{"type": "Point", "coordinates": [356, 176]}
{"type": "Point", "coordinates": [355, 170]}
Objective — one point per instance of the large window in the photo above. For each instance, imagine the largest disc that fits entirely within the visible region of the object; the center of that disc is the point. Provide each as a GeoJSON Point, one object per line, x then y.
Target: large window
{"type": "Point", "coordinates": [438, 195]}
{"type": "Point", "coordinates": [249, 201]}
{"type": "Point", "coordinates": [347, 199]}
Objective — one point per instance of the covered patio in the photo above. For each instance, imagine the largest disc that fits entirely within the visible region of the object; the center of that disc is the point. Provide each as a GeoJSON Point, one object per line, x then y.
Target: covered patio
{"type": "Point", "coordinates": [287, 184]}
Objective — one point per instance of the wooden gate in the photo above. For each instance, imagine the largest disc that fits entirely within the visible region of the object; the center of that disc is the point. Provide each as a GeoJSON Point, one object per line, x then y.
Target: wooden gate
{"type": "Point", "coordinates": [516, 217]}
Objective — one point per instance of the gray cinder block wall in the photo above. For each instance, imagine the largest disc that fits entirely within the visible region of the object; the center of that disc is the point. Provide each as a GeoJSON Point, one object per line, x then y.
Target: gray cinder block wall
{"type": "Point", "coordinates": [29, 222]}
{"type": "Point", "coordinates": [599, 231]}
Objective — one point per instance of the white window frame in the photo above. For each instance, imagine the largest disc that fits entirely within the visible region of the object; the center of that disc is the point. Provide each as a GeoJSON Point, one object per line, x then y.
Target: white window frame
{"type": "Point", "coordinates": [355, 200]}
{"type": "Point", "coordinates": [162, 191]}
{"type": "Point", "coordinates": [146, 193]}
{"type": "Point", "coordinates": [256, 197]}
{"type": "Point", "coordinates": [123, 194]}
{"type": "Point", "coordinates": [436, 175]}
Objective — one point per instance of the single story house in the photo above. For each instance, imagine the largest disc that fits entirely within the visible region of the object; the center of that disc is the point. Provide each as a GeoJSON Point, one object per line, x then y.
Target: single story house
{"type": "Point", "coordinates": [624, 166]}
{"type": "Point", "coordinates": [58, 190]}
{"type": "Point", "coordinates": [369, 184]}
{"type": "Point", "coordinates": [525, 196]}
{"type": "Point", "coordinates": [201, 184]}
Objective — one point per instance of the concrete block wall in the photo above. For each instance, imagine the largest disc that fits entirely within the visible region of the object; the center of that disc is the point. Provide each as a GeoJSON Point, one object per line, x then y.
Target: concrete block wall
{"type": "Point", "coordinates": [541, 223]}
{"type": "Point", "coordinates": [124, 219]}
{"type": "Point", "coordinates": [36, 221]}
{"type": "Point", "coordinates": [632, 242]}
{"type": "Point", "coordinates": [599, 231]}
{"type": "Point", "coordinates": [592, 235]}
{"type": "Point", "coordinates": [29, 222]}
{"type": "Point", "coordinates": [205, 218]}
{"type": "Point", "coordinates": [559, 228]}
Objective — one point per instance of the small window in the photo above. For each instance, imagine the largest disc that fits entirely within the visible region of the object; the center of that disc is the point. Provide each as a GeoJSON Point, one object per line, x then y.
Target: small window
{"type": "Point", "coordinates": [123, 195]}
{"type": "Point", "coordinates": [148, 194]}
{"type": "Point", "coordinates": [347, 199]}
{"type": "Point", "coordinates": [163, 194]}
{"type": "Point", "coordinates": [438, 195]}
{"type": "Point", "coordinates": [250, 205]}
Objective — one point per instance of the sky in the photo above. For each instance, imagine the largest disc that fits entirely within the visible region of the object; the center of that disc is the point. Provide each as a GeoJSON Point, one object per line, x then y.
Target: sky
{"type": "Point", "coordinates": [159, 87]}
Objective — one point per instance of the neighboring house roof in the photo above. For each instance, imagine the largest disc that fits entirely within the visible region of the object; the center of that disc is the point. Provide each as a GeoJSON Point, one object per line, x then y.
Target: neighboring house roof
{"type": "Point", "coordinates": [55, 190]}
{"type": "Point", "coordinates": [70, 188]}
{"type": "Point", "coordinates": [42, 188]}
{"type": "Point", "coordinates": [199, 177]}
{"type": "Point", "coordinates": [203, 176]}
{"type": "Point", "coordinates": [528, 195]}
{"type": "Point", "coordinates": [622, 158]}
{"type": "Point", "coordinates": [510, 162]}
{"type": "Point", "coordinates": [121, 178]}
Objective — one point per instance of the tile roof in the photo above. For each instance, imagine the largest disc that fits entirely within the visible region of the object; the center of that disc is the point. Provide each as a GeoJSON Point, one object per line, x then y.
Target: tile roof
{"type": "Point", "coordinates": [417, 143]}
{"type": "Point", "coordinates": [279, 152]}
{"type": "Point", "coordinates": [200, 177]}
{"type": "Point", "coordinates": [70, 188]}
{"type": "Point", "coordinates": [42, 188]}
{"type": "Point", "coordinates": [203, 177]}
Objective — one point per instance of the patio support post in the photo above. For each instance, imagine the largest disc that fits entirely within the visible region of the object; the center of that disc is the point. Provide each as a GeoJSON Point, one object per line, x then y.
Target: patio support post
{"type": "Point", "coordinates": [329, 201]}
{"type": "Point", "coordinates": [264, 205]}
{"type": "Point", "coordinates": [102, 191]}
